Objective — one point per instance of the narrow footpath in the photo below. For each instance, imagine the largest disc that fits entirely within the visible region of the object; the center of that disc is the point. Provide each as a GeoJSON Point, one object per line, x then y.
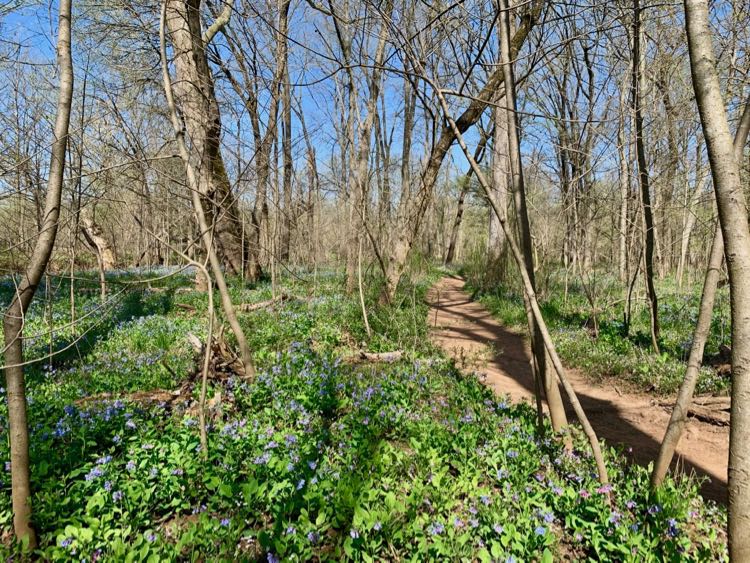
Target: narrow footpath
{"type": "Point", "coordinates": [469, 334]}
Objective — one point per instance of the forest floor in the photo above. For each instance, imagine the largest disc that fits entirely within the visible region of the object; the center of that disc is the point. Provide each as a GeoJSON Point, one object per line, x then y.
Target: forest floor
{"type": "Point", "coordinates": [477, 342]}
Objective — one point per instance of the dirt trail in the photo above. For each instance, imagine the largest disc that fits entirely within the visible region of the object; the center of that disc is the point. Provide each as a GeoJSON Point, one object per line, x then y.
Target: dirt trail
{"type": "Point", "coordinates": [469, 333]}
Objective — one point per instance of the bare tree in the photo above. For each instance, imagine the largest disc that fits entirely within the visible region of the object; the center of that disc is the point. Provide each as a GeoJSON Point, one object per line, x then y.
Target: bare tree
{"type": "Point", "coordinates": [13, 321]}
{"type": "Point", "coordinates": [732, 206]}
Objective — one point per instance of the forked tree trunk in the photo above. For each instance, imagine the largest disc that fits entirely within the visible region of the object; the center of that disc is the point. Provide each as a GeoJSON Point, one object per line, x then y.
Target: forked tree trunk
{"type": "Point", "coordinates": [732, 206]}
{"type": "Point", "coordinates": [13, 319]}
{"type": "Point", "coordinates": [206, 229]}
{"type": "Point", "coordinates": [194, 90]}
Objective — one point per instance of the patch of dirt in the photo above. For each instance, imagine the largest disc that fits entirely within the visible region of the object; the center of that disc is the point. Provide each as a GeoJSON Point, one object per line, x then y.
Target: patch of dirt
{"type": "Point", "coordinates": [466, 331]}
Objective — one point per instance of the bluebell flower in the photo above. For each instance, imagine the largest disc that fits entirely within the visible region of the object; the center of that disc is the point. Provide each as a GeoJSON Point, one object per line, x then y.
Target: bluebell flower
{"type": "Point", "coordinates": [313, 537]}
{"type": "Point", "coordinates": [300, 484]}
{"type": "Point", "coordinates": [540, 530]}
{"type": "Point", "coordinates": [117, 496]}
{"type": "Point", "coordinates": [225, 522]}
{"type": "Point", "coordinates": [150, 537]}
{"type": "Point", "coordinates": [498, 529]}
{"type": "Point", "coordinates": [436, 529]}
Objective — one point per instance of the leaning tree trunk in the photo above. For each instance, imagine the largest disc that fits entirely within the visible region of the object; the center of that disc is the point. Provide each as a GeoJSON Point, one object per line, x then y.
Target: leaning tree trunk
{"type": "Point", "coordinates": [412, 209]}
{"type": "Point", "coordinates": [14, 316]}
{"type": "Point", "coordinates": [528, 289]}
{"type": "Point", "coordinates": [732, 206]}
{"type": "Point", "coordinates": [643, 176]}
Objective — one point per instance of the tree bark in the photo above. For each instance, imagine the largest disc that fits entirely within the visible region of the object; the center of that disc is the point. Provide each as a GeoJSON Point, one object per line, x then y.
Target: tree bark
{"type": "Point", "coordinates": [13, 321]}
{"type": "Point", "coordinates": [732, 207]}
{"type": "Point", "coordinates": [194, 92]}
{"type": "Point", "coordinates": [643, 175]}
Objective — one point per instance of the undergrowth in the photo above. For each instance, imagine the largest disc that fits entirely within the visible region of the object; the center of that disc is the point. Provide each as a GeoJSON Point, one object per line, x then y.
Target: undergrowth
{"type": "Point", "coordinates": [318, 458]}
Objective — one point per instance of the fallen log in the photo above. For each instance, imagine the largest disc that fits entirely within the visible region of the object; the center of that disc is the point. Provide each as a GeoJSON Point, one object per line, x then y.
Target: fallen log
{"type": "Point", "coordinates": [248, 307]}
{"type": "Point", "coordinates": [714, 416]}
{"type": "Point", "coordinates": [376, 357]}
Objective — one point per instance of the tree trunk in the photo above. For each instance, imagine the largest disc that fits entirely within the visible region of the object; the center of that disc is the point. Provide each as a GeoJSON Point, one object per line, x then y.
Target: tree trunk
{"type": "Point", "coordinates": [14, 316]}
{"type": "Point", "coordinates": [517, 184]}
{"type": "Point", "coordinates": [500, 181]}
{"type": "Point", "coordinates": [732, 206]}
{"type": "Point", "coordinates": [643, 176]}
{"type": "Point", "coordinates": [194, 92]}
{"type": "Point", "coordinates": [465, 181]}
{"type": "Point", "coordinates": [624, 191]}
{"type": "Point", "coordinates": [194, 182]}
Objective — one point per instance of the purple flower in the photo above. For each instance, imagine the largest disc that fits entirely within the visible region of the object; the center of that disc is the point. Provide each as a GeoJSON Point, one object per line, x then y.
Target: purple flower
{"type": "Point", "coordinates": [540, 530]}
{"type": "Point", "coordinates": [66, 542]}
{"type": "Point", "coordinates": [548, 517]}
{"type": "Point", "coordinates": [271, 558]}
{"type": "Point", "coordinates": [354, 533]}
{"type": "Point", "coordinates": [150, 537]}
{"type": "Point", "coordinates": [377, 526]}
{"type": "Point", "coordinates": [458, 523]}
{"type": "Point", "coordinates": [498, 529]}
{"type": "Point", "coordinates": [130, 424]}
{"type": "Point", "coordinates": [631, 504]}
{"type": "Point", "coordinates": [300, 484]}
{"type": "Point", "coordinates": [94, 473]}
{"type": "Point", "coordinates": [436, 529]}
{"type": "Point", "coordinates": [672, 529]}
{"type": "Point", "coordinates": [604, 489]}
{"type": "Point", "coordinates": [130, 465]}
{"type": "Point", "coordinates": [225, 522]}
{"type": "Point", "coordinates": [262, 459]}
{"type": "Point", "coordinates": [313, 537]}
{"type": "Point", "coordinates": [584, 493]}
{"type": "Point", "coordinates": [654, 509]}
{"type": "Point", "coordinates": [512, 454]}
{"type": "Point", "coordinates": [108, 486]}
{"type": "Point", "coordinates": [312, 464]}
{"type": "Point", "coordinates": [117, 496]}
{"type": "Point", "coordinates": [485, 500]}
{"type": "Point", "coordinates": [177, 472]}
{"type": "Point", "coordinates": [291, 530]}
